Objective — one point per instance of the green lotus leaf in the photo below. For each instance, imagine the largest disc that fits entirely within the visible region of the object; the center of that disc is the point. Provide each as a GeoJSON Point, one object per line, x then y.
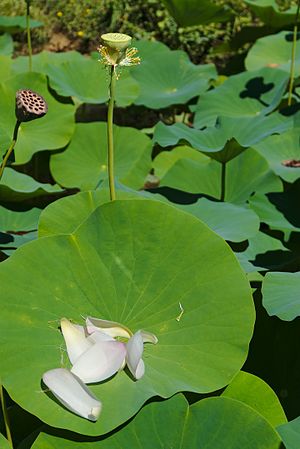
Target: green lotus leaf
{"type": "Point", "coordinates": [16, 24]}
{"type": "Point", "coordinates": [213, 423]}
{"type": "Point", "coordinates": [14, 221]}
{"type": "Point", "coordinates": [17, 186]}
{"type": "Point", "coordinates": [52, 131]}
{"type": "Point", "coordinates": [59, 218]}
{"type": "Point", "coordinates": [84, 163]}
{"type": "Point", "coordinates": [5, 69]}
{"type": "Point", "coordinates": [261, 253]}
{"type": "Point", "coordinates": [15, 241]}
{"type": "Point", "coordinates": [281, 295]}
{"type": "Point", "coordinates": [230, 221]}
{"type": "Point", "coordinates": [4, 443]}
{"type": "Point", "coordinates": [66, 78]}
{"type": "Point", "coordinates": [271, 215]}
{"type": "Point", "coordinates": [6, 45]}
{"type": "Point", "coordinates": [278, 150]}
{"type": "Point", "coordinates": [227, 138]}
{"type": "Point", "coordinates": [168, 77]}
{"type": "Point", "coordinates": [166, 159]}
{"type": "Point", "coordinates": [268, 11]}
{"type": "Point", "coordinates": [45, 59]}
{"type": "Point", "coordinates": [246, 174]}
{"type": "Point", "coordinates": [256, 393]}
{"type": "Point", "coordinates": [273, 51]}
{"type": "Point", "coordinates": [119, 264]}
{"type": "Point", "coordinates": [290, 434]}
{"type": "Point", "coordinates": [248, 94]}
{"type": "Point", "coordinates": [191, 12]}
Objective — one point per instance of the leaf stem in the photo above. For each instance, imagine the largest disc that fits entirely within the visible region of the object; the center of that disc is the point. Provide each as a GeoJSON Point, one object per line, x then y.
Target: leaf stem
{"type": "Point", "coordinates": [292, 69]}
{"type": "Point", "coordinates": [110, 137]}
{"type": "Point", "coordinates": [5, 416]}
{"type": "Point", "coordinates": [28, 34]}
{"type": "Point", "coordinates": [223, 180]}
{"type": "Point", "coordinates": [10, 150]}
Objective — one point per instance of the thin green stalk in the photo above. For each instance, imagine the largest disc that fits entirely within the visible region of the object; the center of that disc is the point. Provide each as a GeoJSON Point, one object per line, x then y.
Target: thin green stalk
{"type": "Point", "coordinates": [28, 34]}
{"type": "Point", "coordinates": [292, 69]}
{"type": "Point", "coordinates": [10, 150]}
{"type": "Point", "coordinates": [5, 416]}
{"type": "Point", "coordinates": [110, 137]}
{"type": "Point", "coordinates": [223, 180]}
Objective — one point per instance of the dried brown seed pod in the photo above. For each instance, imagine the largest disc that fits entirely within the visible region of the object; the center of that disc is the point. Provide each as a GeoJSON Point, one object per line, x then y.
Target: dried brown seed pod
{"type": "Point", "coordinates": [291, 163]}
{"type": "Point", "coordinates": [29, 105]}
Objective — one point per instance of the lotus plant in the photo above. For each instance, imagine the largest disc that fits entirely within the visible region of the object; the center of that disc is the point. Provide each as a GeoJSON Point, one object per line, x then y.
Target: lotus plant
{"type": "Point", "coordinates": [115, 53]}
{"type": "Point", "coordinates": [96, 351]}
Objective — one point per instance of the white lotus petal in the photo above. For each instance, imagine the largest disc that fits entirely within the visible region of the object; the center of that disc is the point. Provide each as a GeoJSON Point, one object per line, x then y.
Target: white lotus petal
{"type": "Point", "coordinates": [76, 341]}
{"type": "Point", "coordinates": [100, 362]}
{"type": "Point", "coordinates": [72, 393]}
{"type": "Point", "coordinates": [135, 349]}
{"type": "Point", "coordinates": [148, 337]}
{"type": "Point", "coordinates": [140, 371]}
{"type": "Point", "coordinates": [111, 328]}
{"type": "Point", "coordinates": [99, 336]}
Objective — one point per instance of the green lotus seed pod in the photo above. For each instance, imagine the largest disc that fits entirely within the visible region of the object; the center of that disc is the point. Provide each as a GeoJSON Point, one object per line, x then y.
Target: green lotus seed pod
{"type": "Point", "coordinates": [116, 41]}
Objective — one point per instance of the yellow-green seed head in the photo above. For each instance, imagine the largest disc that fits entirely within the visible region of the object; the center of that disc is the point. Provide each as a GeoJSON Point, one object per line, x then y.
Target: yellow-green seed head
{"type": "Point", "coordinates": [116, 41]}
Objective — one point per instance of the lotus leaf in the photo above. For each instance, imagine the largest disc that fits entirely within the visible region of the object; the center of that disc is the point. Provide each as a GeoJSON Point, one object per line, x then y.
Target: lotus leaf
{"type": "Point", "coordinates": [6, 45]}
{"type": "Point", "coordinates": [119, 264]}
{"type": "Point", "coordinates": [281, 295]}
{"type": "Point", "coordinates": [191, 12]}
{"type": "Point", "coordinates": [268, 11]}
{"type": "Point", "coordinates": [213, 423]}
{"type": "Point", "coordinates": [15, 24]}
{"type": "Point", "coordinates": [248, 94]}
{"type": "Point", "coordinates": [84, 163]}
{"type": "Point", "coordinates": [290, 434]}
{"type": "Point", "coordinates": [256, 393]}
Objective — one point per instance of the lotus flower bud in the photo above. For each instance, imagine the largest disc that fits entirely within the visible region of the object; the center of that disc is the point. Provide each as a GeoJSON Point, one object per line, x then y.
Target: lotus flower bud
{"type": "Point", "coordinates": [29, 105]}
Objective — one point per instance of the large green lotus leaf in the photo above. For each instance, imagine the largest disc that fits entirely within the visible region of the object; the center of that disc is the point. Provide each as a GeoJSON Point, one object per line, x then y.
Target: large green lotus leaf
{"type": "Point", "coordinates": [17, 186]}
{"type": "Point", "coordinates": [192, 12]}
{"type": "Point", "coordinates": [84, 163]}
{"type": "Point", "coordinates": [227, 138]}
{"type": "Point", "coordinates": [6, 45]}
{"type": "Point", "coordinates": [4, 443]}
{"type": "Point", "coordinates": [247, 94]}
{"type": "Point", "coordinates": [213, 423]}
{"type": "Point", "coordinates": [168, 77]}
{"type": "Point", "coordinates": [274, 51]}
{"type": "Point", "coordinates": [52, 131]}
{"type": "Point", "coordinates": [15, 24]}
{"type": "Point", "coordinates": [66, 79]}
{"type": "Point", "coordinates": [290, 434]}
{"type": "Point", "coordinates": [59, 217]}
{"type": "Point", "coordinates": [41, 61]}
{"type": "Point", "coordinates": [230, 221]}
{"type": "Point", "coordinates": [19, 221]}
{"type": "Point", "coordinates": [280, 148]}
{"type": "Point", "coordinates": [281, 295]}
{"type": "Point", "coordinates": [271, 215]}
{"type": "Point", "coordinates": [261, 253]}
{"type": "Point", "coordinates": [256, 393]}
{"type": "Point", "coordinates": [268, 11]}
{"type": "Point", "coordinates": [166, 159]}
{"type": "Point", "coordinates": [119, 264]}
{"type": "Point", "coordinates": [245, 174]}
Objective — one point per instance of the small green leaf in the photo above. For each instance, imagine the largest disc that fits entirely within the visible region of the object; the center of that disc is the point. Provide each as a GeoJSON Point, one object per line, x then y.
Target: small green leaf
{"type": "Point", "coordinates": [290, 434]}
{"type": "Point", "coordinates": [281, 295]}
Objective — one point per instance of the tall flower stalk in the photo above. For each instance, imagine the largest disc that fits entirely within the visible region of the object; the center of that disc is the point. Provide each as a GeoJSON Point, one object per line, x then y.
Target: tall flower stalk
{"type": "Point", "coordinates": [114, 53]}
{"type": "Point", "coordinates": [28, 34]}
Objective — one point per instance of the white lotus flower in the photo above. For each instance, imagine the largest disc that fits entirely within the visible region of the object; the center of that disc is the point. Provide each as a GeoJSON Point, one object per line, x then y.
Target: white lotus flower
{"type": "Point", "coordinates": [72, 393]}
{"type": "Point", "coordinates": [76, 341]}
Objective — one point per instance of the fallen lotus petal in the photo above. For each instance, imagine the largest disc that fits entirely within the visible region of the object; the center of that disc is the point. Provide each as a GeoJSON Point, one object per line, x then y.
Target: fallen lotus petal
{"type": "Point", "coordinates": [148, 337]}
{"type": "Point", "coordinates": [72, 393]}
{"type": "Point", "coordinates": [111, 328]}
{"type": "Point", "coordinates": [99, 336]}
{"type": "Point", "coordinates": [135, 347]}
{"type": "Point", "coordinates": [76, 341]}
{"type": "Point", "coordinates": [100, 362]}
